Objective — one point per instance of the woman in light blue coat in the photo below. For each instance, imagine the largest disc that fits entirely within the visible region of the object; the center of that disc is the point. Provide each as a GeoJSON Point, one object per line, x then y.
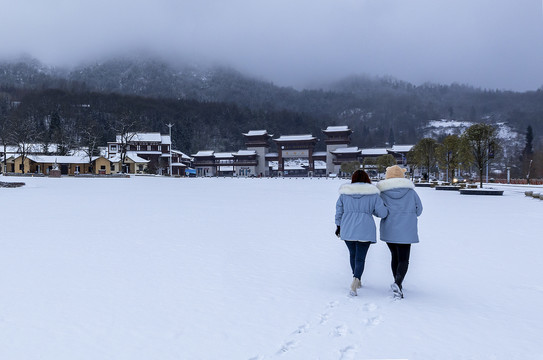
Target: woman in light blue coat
{"type": "Point", "coordinates": [357, 203]}
{"type": "Point", "coordinates": [399, 230]}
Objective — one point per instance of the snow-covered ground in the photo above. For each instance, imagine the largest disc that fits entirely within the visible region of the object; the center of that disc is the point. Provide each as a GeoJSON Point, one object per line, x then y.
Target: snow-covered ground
{"type": "Point", "coordinates": [157, 268]}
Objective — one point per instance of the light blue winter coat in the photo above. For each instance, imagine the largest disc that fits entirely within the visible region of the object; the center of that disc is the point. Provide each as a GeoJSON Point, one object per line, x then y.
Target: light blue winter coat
{"type": "Point", "coordinates": [404, 206]}
{"type": "Point", "coordinates": [354, 209]}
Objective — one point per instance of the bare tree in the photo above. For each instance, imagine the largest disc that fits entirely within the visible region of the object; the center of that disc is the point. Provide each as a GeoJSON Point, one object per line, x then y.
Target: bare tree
{"type": "Point", "coordinates": [23, 133]}
{"type": "Point", "coordinates": [483, 143]}
{"type": "Point", "coordinates": [385, 161]}
{"type": "Point", "coordinates": [125, 129]}
{"type": "Point", "coordinates": [4, 127]}
{"type": "Point", "coordinates": [423, 154]}
{"type": "Point", "coordinates": [89, 140]}
{"type": "Point", "coordinates": [450, 154]}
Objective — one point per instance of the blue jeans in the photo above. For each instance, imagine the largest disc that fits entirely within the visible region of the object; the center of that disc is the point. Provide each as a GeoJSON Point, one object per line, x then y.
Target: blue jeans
{"type": "Point", "coordinates": [357, 252]}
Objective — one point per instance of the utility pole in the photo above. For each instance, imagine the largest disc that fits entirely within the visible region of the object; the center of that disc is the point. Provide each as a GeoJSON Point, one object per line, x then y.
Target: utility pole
{"type": "Point", "coordinates": [171, 143]}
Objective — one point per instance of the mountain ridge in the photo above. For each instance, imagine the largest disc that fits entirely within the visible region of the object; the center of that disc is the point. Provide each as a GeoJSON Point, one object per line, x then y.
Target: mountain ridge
{"type": "Point", "coordinates": [377, 109]}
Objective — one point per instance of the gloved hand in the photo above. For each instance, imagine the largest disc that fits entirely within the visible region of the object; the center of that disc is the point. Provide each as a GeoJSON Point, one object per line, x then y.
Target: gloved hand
{"type": "Point", "coordinates": [338, 229]}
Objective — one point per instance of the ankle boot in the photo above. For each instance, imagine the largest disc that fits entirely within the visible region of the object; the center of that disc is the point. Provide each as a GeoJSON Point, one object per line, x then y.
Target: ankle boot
{"type": "Point", "coordinates": [355, 285]}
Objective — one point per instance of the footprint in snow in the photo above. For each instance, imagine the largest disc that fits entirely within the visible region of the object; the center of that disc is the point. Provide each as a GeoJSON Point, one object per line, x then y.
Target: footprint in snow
{"type": "Point", "coordinates": [369, 307]}
{"type": "Point", "coordinates": [301, 329]}
{"type": "Point", "coordinates": [340, 330]}
{"type": "Point", "coordinates": [373, 321]}
{"type": "Point", "coordinates": [347, 353]}
{"type": "Point", "coordinates": [324, 318]}
{"type": "Point", "coordinates": [287, 347]}
{"type": "Point", "coordinates": [333, 304]}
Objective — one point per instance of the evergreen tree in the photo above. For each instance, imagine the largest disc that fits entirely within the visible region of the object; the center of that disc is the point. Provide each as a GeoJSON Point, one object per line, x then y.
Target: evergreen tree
{"type": "Point", "coordinates": [528, 154]}
{"type": "Point", "coordinates": [529, 148]}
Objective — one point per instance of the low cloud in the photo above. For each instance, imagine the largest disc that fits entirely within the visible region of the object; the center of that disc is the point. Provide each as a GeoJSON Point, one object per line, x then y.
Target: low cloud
{"type": "Point", "coordinates": [490, 44]}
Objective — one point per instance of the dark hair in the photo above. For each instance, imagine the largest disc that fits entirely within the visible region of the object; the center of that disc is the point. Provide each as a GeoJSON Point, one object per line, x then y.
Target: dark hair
{"type": "Point", "coordinates": [360, 176]}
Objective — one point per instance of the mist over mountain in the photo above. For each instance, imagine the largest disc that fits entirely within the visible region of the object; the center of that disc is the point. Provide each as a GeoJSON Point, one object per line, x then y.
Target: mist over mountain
{"type": "Point", "coordinates": [379, 110]}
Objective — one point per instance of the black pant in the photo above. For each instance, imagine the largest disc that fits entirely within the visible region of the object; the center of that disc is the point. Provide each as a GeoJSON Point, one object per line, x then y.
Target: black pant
{"type": "Point", "coordinates": [357, 256]}
{"type": "Point", "coordinates": [400, 261]}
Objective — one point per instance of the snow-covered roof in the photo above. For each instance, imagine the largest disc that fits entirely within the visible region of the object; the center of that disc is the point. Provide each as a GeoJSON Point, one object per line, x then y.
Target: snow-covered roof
{"type": "Point", "coordinates": [129, 154]}
{"type": "Point", "coordinates": [179, 164]}
{"type": "Point", "coordinates": [204, 153]}
{"type": "Point", "coordinates": [257, 133]}
{"type": "Point", "coordinates": [295, 137]}
{"type": "Point", "coordinates": [375, 151]}
{"type": "Point", "coordinates": [401, 148]}
{"type": "Point", "coordinates": [346, 150]}
{"type": "Point", "coordinates": [224, 155]}
{"type": "Point", "coordinates": [245, 153]}
{"type": "Point", "coordinates": [336, 128]}
{"type": "Point", "coordinates": [51, 159]}
{"type": "Point", "coordinates": [166, 139]}
{"type": "Point", "coordinates": [183, 155]}
{"type": "Point", "coordinates": [83, 152]}
{"type": "Point", "coordinates": [31, 148]}
{"type": "Point", "coordinates": [272, 155]}
{"type": "Point", "coordinates": [145, 137]}
{"type": "Point", "coordinates": [319, 153]}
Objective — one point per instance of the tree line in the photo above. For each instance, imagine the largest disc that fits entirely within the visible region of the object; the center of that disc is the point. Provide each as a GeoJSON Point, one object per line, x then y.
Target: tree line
{"type": "Point", "coordinates": [380, 111]}
{"type": "Point", "coordinates": [87, 120]}
{"type": "Point", "coordinates": [474, 151]}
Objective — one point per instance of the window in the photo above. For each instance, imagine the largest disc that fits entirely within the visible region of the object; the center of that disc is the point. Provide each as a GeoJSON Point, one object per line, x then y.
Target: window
{"type": "Point", "coordinates": [113, 148]}
{"type": "Point", "coordinates": [102, 167]}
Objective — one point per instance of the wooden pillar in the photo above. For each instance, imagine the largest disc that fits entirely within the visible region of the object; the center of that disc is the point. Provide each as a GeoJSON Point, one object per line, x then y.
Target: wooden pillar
{"type": "Point", "coordinates": [280, 161]}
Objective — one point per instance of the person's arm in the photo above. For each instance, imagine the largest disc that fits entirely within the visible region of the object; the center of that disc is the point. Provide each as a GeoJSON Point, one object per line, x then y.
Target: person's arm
{"type": "Point", "coordinates": [339, 215]}
{"type": "Point", "coordinates": [418, 204]}
{"type": "Point", "coordinates": [380, 208]}
{"type": "Point", "coordinates": [339, 210]}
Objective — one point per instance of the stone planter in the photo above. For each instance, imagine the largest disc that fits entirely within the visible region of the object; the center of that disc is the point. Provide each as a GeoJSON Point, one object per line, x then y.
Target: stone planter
{"type": "Point", "coordinates": [11, 184]}
{"type": "Point", "coordinates": [481, 192]}
{"type": "Point", "coordinates": [448, 187]}
{"type": "Point", "coordinates": [54, 173]}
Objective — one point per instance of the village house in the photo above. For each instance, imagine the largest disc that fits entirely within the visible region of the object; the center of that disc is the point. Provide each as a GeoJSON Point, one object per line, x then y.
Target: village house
{"type": "Point", "coordinates": [68, 165]}
{"type": "Point", "coordinates": [147, 153]}
{"type": "Point", "coordinates": [295, 155]}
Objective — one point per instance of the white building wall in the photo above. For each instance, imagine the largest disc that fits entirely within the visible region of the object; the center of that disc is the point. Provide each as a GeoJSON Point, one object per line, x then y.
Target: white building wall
{"type": "Point", "coordinates": [262, 167]}
{"type": "Point", "coordinates": [330, 167]}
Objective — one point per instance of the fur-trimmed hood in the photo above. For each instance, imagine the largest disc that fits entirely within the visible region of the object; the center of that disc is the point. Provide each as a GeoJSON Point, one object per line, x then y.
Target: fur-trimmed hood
{"type": "Point", "coordinates": [358, 189]}
{"type": "Point", "coordinates": [395, 183]}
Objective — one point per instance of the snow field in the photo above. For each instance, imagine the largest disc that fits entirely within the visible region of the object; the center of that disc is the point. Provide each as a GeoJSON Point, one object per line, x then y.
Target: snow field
{"type": "Point", "coordinates": [158, 268]}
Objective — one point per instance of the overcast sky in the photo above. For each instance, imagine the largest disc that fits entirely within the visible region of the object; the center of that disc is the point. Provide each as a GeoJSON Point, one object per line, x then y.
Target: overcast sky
{"type": "Point", "coordinates": [485, 43]}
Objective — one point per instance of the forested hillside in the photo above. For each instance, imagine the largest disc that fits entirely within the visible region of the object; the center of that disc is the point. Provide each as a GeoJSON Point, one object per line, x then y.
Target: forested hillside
{"type": "Point", "coordinates": [211, 107]}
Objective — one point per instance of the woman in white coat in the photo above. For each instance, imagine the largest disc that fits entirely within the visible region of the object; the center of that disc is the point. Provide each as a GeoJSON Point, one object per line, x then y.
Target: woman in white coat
{"type": "Point", "coordinates": [399, 230]}
{"type": "Point", "coordinates": [355, 207]}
